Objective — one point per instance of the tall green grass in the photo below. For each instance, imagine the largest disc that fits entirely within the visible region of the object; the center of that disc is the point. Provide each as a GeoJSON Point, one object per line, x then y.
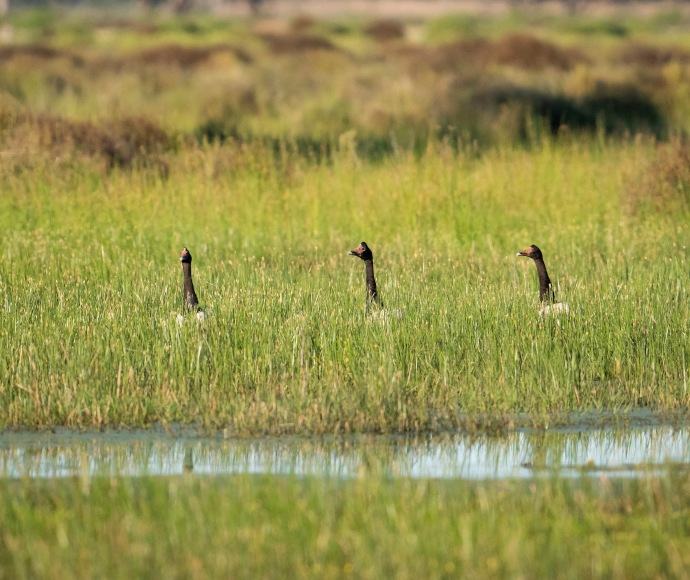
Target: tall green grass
{"type": "Point", "coordinates": [370, 527]}
{"type": "Point", "coordinates": [91, 285]}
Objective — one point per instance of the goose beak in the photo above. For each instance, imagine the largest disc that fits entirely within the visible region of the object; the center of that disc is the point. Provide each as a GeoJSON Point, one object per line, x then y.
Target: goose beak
{"type": "Point", "coordinates": [352, 253]}
{"type": "Point", "coordinates": [520, 254]}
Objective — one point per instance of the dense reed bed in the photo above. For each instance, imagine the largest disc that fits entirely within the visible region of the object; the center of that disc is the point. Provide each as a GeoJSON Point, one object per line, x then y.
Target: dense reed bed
{"type": "Point", "coordinates": [91, 285]}
{"type": "Point", "coordinates": [272, 148]}
{"type": "Point", "coordinates": [125, 140]}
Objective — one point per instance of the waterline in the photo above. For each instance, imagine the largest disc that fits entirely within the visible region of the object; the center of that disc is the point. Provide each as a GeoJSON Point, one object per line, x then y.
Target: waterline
{"type": "Point", "coordinates": [618, 452]}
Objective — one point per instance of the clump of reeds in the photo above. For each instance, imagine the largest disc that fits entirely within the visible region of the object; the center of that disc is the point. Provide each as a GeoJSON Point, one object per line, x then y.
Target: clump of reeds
{"type": "Point", "coordinates": [36, 51]}
{"type": "Point", "coordinates": [302, 24]}
{"type": "Point", "coordinates": [518, 50]}
{"type": "Point", "coordinates": [532, 53]}
{"type": "Point", "coordinates": [296, 43]}
{"type": "Point", "coordinates": [124, 142]}
{"type": "Point", "coordinates": [187, 56]}
{"type": "Point", "coordinates": [385, 30]}
{"type": "Point", "coordinates": [663, 183]}
{"type": "Point", "coordinates": [651, 56]}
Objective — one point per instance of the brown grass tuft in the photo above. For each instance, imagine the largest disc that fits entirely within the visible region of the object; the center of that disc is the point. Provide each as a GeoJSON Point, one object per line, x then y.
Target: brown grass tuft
{"type": "Point", "coordinates": [531, 53]}
{"type": "Point", "coordinates": [516, 50]}
{"type": "Point", "coordinates": [36, 51]}
{"type": "Point", "coordinates": [664, 183]}
{"type": "Point", "coordinates": [125, 143]}
{"type": "Point", "coordinates": [293, 43]}
{"type": "Point", "coordinates": [652, 56]}
{"type": "Point", "coordinates": [187, 56]}
{"type": "Point", "coordinates": [302, 24]}
{"type": "Point", "coordinates": [385, 30]}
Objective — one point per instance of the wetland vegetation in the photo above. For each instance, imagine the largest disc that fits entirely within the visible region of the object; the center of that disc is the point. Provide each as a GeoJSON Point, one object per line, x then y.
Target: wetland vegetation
{"type": "Point", "coordinates": [272, 147]}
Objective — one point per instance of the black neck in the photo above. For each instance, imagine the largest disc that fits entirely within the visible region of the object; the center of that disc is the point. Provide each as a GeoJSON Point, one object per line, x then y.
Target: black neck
{"type": "Point", "coordinates": [372, 295]}
{"type": "Point", "coordinates": [546, 292]}
{"type": "Point", "coordinates": [190, 299]}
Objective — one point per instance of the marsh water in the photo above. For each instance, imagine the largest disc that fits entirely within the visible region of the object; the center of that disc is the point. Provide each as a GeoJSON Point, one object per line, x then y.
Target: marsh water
{"type": "Point", "coordinates": [642, 445]}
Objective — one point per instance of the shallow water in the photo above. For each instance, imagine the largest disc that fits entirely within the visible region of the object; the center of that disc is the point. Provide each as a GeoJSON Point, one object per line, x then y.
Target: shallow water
{"type": "Point", "coordinates": [617, 452]}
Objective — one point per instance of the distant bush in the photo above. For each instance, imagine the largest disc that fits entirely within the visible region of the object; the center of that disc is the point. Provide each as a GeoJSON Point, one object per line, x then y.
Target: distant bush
{"type": "Point", "coordinates": [291, 43]}
{"type": "Point", "coordinates": [124, 143]}
{"type": "Point", "coordinates": [531, 53]}
{"type": "Point", "coordinates": [652, 56]}
{"type": "Point", "coordinates": [385, 30]}
{"type": "Point", "coordinates": [664, 183]}
{"type": "Point", "coordinates": [301, 24]}
{"type": "Point", "coordinates": [519, 51]}
{"type": "Point", "coordinates": [187, 56]}
{"type": "Point", "coordinates": [36, 51]}
{"type": "Point", "coordinates": [612, 109]}
{"type": "Point", "coordinates": [216, 131]}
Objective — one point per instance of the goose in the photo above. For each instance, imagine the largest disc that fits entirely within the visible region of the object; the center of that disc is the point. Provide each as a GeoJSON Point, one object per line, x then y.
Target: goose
{"type": "Point", "coordinates": [547, 296]}
{"type": "Point", "coordinates": [191, 302]}
{"type": "Point", "coordinates": [363, 251]}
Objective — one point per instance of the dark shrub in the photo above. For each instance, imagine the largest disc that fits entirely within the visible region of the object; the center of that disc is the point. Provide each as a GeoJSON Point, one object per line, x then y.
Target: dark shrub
{"type": "Point", "coordinates": [37, 51]}
{"type": "Point", "coordinates": [125, 143]}
{"type": "Point", "coordinates": [528, 52]}
{"type": "Point", "coordinates": [215, 131]}
{"type": "Point", "coordinates": [187, 56]}
{"type": "Point", "coordinates": [664, 183]}
{"type": "Point", "coordinates": [292, 43]}
{"type": "Point", "coordinates": [652, 56]}
{"type": "Point", "coordinates": [385, 30]}
{"type": "Point", "coordinates": [613, 109]}
{"type": "Point", "coordinates": [301, 24]}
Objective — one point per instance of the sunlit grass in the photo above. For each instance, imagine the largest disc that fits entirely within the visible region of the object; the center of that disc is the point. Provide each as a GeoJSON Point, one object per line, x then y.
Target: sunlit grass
{"type": "Point", "coordinates": [91, 285]}
{"type": "Point", "coordinates": [248, 526]}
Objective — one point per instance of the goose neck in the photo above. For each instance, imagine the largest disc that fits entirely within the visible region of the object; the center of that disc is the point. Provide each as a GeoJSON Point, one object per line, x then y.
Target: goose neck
{"type": "Point", "coordinates": [190, 299]}
{"type": "Point", "coordinates": [546, 292]}
{"type": "Point", "coordinates": [371, 281]}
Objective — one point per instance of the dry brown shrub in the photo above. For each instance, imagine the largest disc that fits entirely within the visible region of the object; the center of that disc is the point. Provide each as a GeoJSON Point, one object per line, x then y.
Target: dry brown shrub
{"type": "Point", "coordinates": [664, 183]}
{"type": "Point", "coordinates": [385, 30]}
{"type": "Point", "coordinates": [516, 50]}
{"type": "Point", "coordinates": [652, 56]}
{"type": "Point", "coordinates": [139, 26]}
{"type": "Point", "coordinates": [125, 143]}
{"type": "Point", "coordinates": [532, 53]}
{"type": "Point", "coordinates": [301, 24]}
{"type": "Point", "coordinates": [187, 56]}
{"type": "Point", "coordinates": [452, 57]}
{"type": "Point", "coordinates": [293, 43]}
{"type": "Point", "coordinates": [35, 51]}
{"type": "Point", "coordinates": [449, 56]}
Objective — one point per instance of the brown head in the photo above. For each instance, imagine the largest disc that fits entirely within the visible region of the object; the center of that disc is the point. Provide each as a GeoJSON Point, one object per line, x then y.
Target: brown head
{"type": "Point", "coordinates": [186, 256]}
{"type": "Point", "coordinates": [531, 252]}
{"type": "Point", "coordinates": [362, 251]}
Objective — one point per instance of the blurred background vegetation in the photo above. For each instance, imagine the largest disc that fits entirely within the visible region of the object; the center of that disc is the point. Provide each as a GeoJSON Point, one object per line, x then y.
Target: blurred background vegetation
{"type": "Point", "coordinates": [119, 81]}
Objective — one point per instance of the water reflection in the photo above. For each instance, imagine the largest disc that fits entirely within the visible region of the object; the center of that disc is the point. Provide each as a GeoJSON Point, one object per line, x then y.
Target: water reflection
{"type": "Point", "coordinates": [521, 454]}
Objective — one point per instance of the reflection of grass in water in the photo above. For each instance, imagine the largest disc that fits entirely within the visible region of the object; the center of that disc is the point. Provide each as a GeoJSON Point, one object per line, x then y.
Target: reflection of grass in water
{"type": "Point", "coordinates": [140, 453]}
{"type": "Point", "coordinates": [91, 284]}
{"type": "Point", "coordinates": [267, 526]}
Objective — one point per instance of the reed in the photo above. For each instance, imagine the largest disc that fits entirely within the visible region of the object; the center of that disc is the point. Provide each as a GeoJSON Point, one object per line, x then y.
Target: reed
{"type": "Point", "coordinates": [91, 287]}
{"type": "Point", "coordinates": [249, 527]}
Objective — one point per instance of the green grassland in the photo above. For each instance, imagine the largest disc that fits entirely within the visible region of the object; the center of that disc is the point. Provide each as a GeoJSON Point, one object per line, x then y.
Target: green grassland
{"type": "Point", "coordinates": [270, 154]}
{"type": "Point", "coordinates": [262, 527]}
{"type": "Point", "coordinates": [270, 149]}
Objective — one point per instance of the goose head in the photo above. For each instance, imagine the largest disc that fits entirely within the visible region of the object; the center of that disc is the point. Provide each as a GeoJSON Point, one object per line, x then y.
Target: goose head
{"type": "Point", "coordinates": [362, 251]}
{"type": "Point", "coordinates": [186, 256]}
{"type": "Point", "coordinates": [531, 252]}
